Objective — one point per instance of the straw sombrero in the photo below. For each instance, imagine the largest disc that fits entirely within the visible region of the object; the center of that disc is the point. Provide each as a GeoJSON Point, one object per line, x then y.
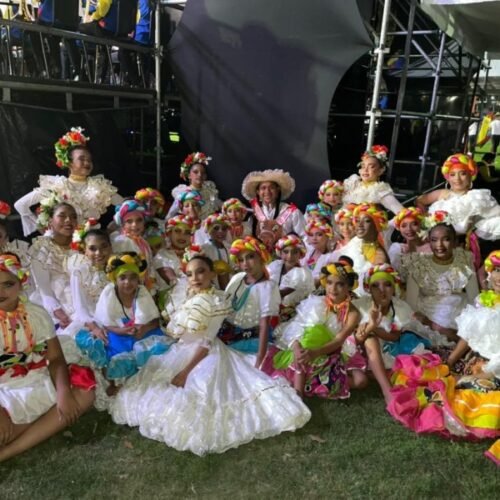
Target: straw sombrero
{"type": "Point", "coordinates": [280, 177]}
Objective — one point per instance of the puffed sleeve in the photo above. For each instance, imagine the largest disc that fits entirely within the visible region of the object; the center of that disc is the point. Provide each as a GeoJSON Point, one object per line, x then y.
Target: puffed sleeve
{"type": "Point", "coordinates": [146, 309]}
{"type": "Point", "coordinates": [106, 312]}
{"type": "Point", "coordinates": [269, 298]}
{"type": "Point", "coordinates": [395, 251]}
{"type": "Point", "coordinates": [165, 258]}
{"type": "Point", "coordinates": [41, 323]}
{"type": "Point", "coordinates": [391, 203]}
{"type": "Point", "coordinates": [298, 223]}
{"type": "Point", "coordinates": [23, 206]}
{"type": "Point", "coordinates": [43, 283]}
{"type": "Point", "coordinates": [81, 305]}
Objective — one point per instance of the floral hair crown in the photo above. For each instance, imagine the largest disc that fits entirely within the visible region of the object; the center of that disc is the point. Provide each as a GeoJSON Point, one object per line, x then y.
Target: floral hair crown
{"type": "Point", "coordinates": [377, 151]}
{"type": "Point", "coordinates": [213, 219]}
{"type": "Point", "coordinates": [383, 271]}
{"type": "Point", "coordinates": [319, 211]}
{"type": "Point", "coordinates": [5, 210]}
{"type": "Point", "coordinates": [343, 269]}
{"type": "Point", "coordinates": [10, 263]}
{"type": "Point", "coordinates": [290, 240]}
{"type": "Point", "coordinates": [343, 213]}
{"type": "Point", "coordinates": [435, 218]}
{"type": "Point", "coordinates": [193, 159]}
{"type": "Point", "coordinates": [320, 225]}
{"type": "Point", "coordinates": [69, 140]}
{"type": "Point", "coordinates": [45, 208]}
{"type": "Point", "coordinates": [191, 195]}
{"type": "Point", "coordinates": [149, 195]}
{"type": "Point", "coordinates": [459, 162]}
{"type": "Point", "coordinates": [191, 251]}
{"type": "Point", "coordinates": [378, 216]}
{"type": "Point", "coordinates": [180, 220]}
{"type": "Point", "coordinates": [80, 233]}
{"type": "Point", "coordinates": [492, 261]}
{"type": "Point", "coordinates": [249, 244]}
{"type": "Point", "coordinates": [338, 186]}
{"type": "Point", "coordinates": [127, 207]}
{"type": "Point", "coordinates": [233, 203]}
{"type": "Point", "coordinates": [408, 213]}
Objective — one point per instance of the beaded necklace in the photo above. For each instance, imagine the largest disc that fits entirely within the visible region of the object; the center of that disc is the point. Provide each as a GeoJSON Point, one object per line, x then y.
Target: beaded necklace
{"type": "Point", "coordinates": [10, 322]}
{"type": "Point", "coordinates": [238, 303]}
{"type": "Point", "coordinates": [341, 309]}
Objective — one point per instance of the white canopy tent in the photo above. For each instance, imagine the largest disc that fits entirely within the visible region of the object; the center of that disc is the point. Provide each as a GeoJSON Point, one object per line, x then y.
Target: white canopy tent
{"type": "Point", "coordinates": [473, 23]}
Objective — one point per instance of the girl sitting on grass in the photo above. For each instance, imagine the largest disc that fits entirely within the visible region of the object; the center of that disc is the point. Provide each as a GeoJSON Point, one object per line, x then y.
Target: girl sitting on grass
{"type": "Point", "coordinates": [130, 318]}
{"type": "Point", "coordinates": [315, 361]}
{"type": "Point", "coordinates": [39, 396]}
{"type": "Point", "coordinates": [255, 300]}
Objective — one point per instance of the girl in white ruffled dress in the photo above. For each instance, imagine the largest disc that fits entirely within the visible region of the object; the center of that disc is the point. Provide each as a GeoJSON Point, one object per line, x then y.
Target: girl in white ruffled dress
{"type": "Point", "coordinates": [194, 171]}
{"type": "Point", "coordinates": [39, 395]}
{"type": "Point", "coordinates": [472, 211]}
{"type": "Point", "coordinates": [236, 211]}
{"type": "Point", "coordinates": [367, 186]}
{"type": "Point", "coordinates": [295, 281]}
{"type": "Point", "coordinates": [441, 284]}
{"type": "Point", "coordinates": [202, 396]}
{"type": "Point", "coordinates": [319, 238]}
{"type": "Point", "coordinates": [90, 196]}
{"type": "Point", "coordinates": [49, 261]}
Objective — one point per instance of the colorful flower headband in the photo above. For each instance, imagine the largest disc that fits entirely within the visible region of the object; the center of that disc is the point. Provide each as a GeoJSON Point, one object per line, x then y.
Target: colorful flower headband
{"type": "Point", "coordinates": [379, 217]}
{"type": "Point", "coordinates": [69, 140]}
{"type": "Point", "coordinates": [459, 162]}
{"type": "Point", "coordinates": [233, 203]}
{"type": "Point", "coordinates": [191, 252]}
{"type": "Point", "coordinates": [182, 221]}
{"type": "Point", "coordinates": [290, 240]}
{"type": "Point", "coordinates": [492, 261]}
{"type": "Point", "coordinates": [382, 272]}
{"type": "Point", "coordinates": [192, 195]}
{"type": "Point", "coordinates": [193, 159]}
{"type": "Point", "coordinates": [10, 263]}
{"type": "Point", "coordinates": [213, 219]}
{"type": "Point", "coordinates": [249, 244]}
{"type": "Point", "coordinates": [126, 208]}
{"type": "Point", "coordinates": [44, 211]}
{"type": "Point", "coordinates": [5, 210]}
{"type": "Point", "coordinates": [343, 213]}
{"type": "Point", "coordinates": [377, 151]}
{"type": "Point", "coordinates": [337, 186]}
{"type": "Point", "coordinates": [80, 233]}
{"type": "Point", "coordinates": [435, 218]}
{"type": "Point", "coordinates": [413, 213]}
{"type": "Point", "coordinates": [125, 262]}
{"type": "Point", "coordinates": [319, 225]}
{"type": "Point", "coordinates": [319, 211]}
{"type": "Point", "coordinates": [147, 196]}
{"type": "Point", "coordinates": [343, 270]}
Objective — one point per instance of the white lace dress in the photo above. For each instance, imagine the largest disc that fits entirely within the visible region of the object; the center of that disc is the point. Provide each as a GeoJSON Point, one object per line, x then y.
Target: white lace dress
{"type": "Point", "coordinates": [209, 193]}
{"type": "Point", "coordinates": [476, 209]}
{"type": "Point", "coordinates": [356, 191]}
{"type": "Point", "coordinates": [440, 291]}
{"type": "Point", "coordinates": [225, 403]}
{"type": "Point", "coordinates": [90, 198]}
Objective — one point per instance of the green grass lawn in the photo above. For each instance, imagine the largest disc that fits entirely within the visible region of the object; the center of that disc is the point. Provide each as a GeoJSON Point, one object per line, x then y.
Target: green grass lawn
{"type": "Point", "coordinates": [349, 449]}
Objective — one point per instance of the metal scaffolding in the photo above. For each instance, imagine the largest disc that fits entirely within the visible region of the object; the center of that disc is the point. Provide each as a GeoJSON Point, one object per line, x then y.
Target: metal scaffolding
{"type": "Point", "coordinates": [428, 53]}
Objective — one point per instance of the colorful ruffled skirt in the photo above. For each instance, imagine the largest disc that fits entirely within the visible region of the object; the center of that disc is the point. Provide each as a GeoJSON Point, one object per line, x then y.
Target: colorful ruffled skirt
{"type": "Point", "coordinates": [123, 355]}
{"type": "Point", "coordinates": [427, 399]}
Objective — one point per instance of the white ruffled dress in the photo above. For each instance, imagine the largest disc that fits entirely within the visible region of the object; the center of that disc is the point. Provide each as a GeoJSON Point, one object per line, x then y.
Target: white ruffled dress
{"type": "Point", "coordinates": [476, 209]}
{"type": "Point", "coordinates": [299, 279]}
{"type": "Point", "coordinates": [356, 191]}
{"type": "Point", "coordinates": [90, 198]}
{"type": "Point", "coordinates": [28, 397]}
{"type": "Point", "coordinates": [479, 326]}
{"type": "Point", "coordinates": [225, 403]}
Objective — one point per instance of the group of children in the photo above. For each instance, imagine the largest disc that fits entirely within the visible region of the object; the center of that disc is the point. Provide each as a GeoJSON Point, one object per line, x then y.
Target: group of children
{"type": "Point", "coordinates": [207, 327]}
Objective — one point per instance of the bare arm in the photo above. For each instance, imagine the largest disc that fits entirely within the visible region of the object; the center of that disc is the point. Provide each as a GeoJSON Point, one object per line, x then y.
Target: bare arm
{"type": "Point", "coordinates": [424, 200]}
{"type": "Point", "coordinates": [180, 379]}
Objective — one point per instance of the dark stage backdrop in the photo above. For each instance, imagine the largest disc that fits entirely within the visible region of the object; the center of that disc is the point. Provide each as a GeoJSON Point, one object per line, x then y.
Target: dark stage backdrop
{"type": "Point", "coordinates": [257, 79]}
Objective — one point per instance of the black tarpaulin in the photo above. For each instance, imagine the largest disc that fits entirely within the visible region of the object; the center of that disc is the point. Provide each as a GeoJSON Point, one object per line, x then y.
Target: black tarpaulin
{"type": "Point", "coordinates": [257, 79]}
